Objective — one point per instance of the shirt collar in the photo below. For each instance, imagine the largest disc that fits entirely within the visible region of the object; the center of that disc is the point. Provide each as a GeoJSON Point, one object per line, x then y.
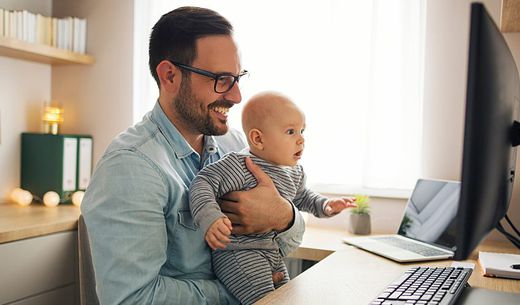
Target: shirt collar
{"type": "Point", "coordinates": [180, 146]}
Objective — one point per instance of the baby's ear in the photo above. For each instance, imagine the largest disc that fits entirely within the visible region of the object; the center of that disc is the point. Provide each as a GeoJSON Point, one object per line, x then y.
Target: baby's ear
{"type": "Point", "coordinates": [255, 138]}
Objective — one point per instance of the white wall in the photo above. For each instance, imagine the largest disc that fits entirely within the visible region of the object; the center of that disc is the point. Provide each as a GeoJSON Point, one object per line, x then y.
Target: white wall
{"type": "Point", "coordinates": [98, 98]}
{"type": "Point", "coordinates": [24, 86]}
{"type": "Point", "coordinates": [446, 49]}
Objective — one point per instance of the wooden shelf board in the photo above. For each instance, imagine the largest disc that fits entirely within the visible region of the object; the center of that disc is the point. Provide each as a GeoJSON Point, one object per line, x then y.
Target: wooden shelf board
{"type": "Point", "coordinates": [41, 53]}
{"type": "Point", "coordinates": [510, 16]}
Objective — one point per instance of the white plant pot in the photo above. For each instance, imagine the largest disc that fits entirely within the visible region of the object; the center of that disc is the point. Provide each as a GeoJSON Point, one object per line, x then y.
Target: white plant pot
{"type": "Point", "coordinates": [360, 224]}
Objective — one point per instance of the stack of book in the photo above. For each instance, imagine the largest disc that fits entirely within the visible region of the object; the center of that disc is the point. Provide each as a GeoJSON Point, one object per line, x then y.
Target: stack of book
{"type": "Point", "coordinates": [69, 33]}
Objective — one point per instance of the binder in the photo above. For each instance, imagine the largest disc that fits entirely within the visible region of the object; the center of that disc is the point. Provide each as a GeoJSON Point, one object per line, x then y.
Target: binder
{"type": "Point", "coordinates": [60, 163]}
{"type": "Point", "coordinates": [84, 162]}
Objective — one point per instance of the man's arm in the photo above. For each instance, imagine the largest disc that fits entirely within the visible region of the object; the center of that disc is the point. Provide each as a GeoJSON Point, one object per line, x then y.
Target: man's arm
{"type": "Point", "coordinates": [262, 209]}
{"type": "Point", "coordinates": [124, 210]}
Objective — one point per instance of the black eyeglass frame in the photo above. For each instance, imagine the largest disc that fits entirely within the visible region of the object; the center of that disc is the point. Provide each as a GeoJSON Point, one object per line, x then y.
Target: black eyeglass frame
{"type": "Point", "coordinates": [214, 76]}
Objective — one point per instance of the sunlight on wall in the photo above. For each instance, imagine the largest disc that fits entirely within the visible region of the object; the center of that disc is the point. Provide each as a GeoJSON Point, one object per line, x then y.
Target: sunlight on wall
{"type": "Point", "coordinates": [354, 67]}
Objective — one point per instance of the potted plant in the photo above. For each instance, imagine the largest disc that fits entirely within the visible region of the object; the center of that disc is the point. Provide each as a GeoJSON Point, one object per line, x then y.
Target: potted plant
{"type": "Point", "coordinates": [360, 216]}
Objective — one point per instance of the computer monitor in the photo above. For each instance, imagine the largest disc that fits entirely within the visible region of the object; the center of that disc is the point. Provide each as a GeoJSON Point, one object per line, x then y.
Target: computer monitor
{"type": "Point", "coordinates": [489, 155]}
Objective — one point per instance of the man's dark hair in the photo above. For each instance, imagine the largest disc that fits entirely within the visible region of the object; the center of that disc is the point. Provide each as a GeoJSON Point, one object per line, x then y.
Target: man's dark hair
{"type": "Point", "coordinates": [174, 35]}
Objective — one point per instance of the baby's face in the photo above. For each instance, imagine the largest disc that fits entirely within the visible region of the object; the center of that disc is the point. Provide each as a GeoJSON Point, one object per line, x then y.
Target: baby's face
{"type": "Point", "coordinates": [283, 136]}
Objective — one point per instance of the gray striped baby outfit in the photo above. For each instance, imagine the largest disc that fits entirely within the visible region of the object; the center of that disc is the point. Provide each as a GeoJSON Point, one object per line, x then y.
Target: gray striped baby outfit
{"type": "Point", "coordinates": [245, 267]}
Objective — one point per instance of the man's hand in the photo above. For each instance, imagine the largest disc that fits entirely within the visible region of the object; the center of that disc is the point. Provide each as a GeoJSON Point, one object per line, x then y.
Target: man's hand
{"type": "Point", "coordinates": [258, 210]}
{"type": "Point", "coordinates": [336, 205]}
{"type": "Point", "coordinates": [218, 232]}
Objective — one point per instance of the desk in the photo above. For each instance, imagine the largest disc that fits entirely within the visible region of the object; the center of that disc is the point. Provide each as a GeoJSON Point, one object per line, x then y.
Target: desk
{"type": "Point", "coordinates": [38, 254]}
{"type": "Point", "coordinates": [347, 275]}
{"type": "Point", "coordinates": [21, 222]}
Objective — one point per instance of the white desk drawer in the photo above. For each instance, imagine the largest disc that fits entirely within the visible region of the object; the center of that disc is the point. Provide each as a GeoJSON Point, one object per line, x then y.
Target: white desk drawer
{"type": "Point", "coordinates": [35, 265]}
{"type": "Point", "coordinates": [65, 296]}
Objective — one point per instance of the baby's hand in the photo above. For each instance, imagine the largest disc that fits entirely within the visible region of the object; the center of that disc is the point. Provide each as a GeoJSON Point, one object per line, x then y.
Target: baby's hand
{"type": "Point", "coordinates": [335, 205]}
{"type": "Point", "coordinates": [218, 232]}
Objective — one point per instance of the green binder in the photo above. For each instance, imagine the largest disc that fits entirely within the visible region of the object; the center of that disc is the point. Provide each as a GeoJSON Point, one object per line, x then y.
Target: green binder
{"type": "Point", "coordinates": [60, 163]}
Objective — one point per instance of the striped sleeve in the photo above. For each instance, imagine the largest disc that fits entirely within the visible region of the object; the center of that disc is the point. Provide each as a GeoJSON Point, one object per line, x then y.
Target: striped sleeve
{"type": "Point", "coordinates": [309, 201]}
{"type": "Point", "coordinates": [212, 182]}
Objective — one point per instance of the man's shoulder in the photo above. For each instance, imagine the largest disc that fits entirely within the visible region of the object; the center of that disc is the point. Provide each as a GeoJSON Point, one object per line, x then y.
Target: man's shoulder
{"type": "Point", "coordinates": [133, 137]}
{"type": "Point", "coordinates": [140, 142]}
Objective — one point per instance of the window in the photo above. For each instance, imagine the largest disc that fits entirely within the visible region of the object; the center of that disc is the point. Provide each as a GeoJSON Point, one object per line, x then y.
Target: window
{"type": "Point", "coordinates": [354, 67]}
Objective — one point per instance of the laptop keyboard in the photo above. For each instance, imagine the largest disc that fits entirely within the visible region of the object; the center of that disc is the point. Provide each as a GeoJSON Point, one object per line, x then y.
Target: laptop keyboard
{"type": "Point", "coordinates": [424, 285]}
{"type": "Point", "coordinates": [421, 249]}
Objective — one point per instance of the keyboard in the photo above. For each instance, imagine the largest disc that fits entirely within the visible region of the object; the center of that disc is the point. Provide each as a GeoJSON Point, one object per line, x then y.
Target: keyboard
{"type": "Point", "coordinates": [425, 286]}
{"type": "Point", "coordinates": [418, 248]}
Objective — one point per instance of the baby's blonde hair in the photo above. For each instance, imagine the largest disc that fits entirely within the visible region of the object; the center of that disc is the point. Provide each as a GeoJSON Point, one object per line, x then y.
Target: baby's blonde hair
{"type": "Point", "coordinates": [261, 106]}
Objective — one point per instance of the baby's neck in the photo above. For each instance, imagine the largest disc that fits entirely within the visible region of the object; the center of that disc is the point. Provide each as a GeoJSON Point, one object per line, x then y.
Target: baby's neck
{"type": "Point", "coordinates": [258, 154]}
{"type": "Point", "coordinates": [261, 155]}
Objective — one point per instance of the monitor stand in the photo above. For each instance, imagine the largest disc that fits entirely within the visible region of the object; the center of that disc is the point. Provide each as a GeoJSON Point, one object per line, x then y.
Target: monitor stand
{"type": "Point", "coordinates": [481, 296]}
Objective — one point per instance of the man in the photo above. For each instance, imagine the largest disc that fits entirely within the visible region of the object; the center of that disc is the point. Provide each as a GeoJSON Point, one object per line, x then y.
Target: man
{"type": "Point", "coordinates": [145, 247]}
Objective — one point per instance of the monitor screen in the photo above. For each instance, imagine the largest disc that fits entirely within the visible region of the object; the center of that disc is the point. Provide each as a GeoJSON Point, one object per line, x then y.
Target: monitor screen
{"type": "Point", "coordinates": [492, 104]}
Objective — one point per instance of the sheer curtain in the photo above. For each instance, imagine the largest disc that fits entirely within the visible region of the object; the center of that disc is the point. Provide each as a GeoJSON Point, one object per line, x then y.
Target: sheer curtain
{"type": "Point", "coordinates": [354, 67]}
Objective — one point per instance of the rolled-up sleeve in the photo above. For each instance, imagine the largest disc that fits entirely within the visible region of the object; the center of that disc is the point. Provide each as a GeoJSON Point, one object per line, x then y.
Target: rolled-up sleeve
{"type": "Point", "coordinates": [290, 239]}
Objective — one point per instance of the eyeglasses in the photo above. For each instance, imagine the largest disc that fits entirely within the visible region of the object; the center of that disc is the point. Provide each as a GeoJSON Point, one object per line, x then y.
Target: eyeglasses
{"type": "Point", "coordinates": [223, 81]}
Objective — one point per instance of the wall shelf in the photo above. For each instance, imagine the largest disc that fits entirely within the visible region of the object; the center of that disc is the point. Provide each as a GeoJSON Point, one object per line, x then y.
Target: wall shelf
{"type": "Point", "coordinates": [41, 53]}
{"type": "Point", "coordinates": [510, 16]}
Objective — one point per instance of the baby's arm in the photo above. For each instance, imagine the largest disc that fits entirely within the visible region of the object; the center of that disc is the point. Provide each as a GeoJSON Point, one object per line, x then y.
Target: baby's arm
{"type": "Point", "coordinates": [335, 205]}
{"type": "Point", "coordinates": [320, 206]}
{"type": "Point", "coordinates": [218, 232]}
{"type": "Point", "coordinates": [212, 182]}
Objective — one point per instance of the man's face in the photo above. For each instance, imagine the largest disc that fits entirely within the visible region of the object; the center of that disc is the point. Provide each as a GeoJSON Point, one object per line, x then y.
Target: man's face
{"type": "Point", "coordinates": [197, 104]}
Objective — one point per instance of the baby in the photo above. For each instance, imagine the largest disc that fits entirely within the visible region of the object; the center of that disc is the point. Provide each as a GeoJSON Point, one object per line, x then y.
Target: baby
{"type": "Point", "coordinates": [274, 128]}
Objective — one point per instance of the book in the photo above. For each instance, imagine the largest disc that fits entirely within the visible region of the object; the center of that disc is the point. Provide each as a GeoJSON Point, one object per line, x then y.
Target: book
{"type": "Point", "coordinates": [1, 22]}
{"type": "Point", "coordinates": [499, 264]}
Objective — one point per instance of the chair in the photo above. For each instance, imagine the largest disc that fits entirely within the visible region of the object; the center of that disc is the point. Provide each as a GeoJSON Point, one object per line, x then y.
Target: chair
{"type": "Point", "coordinates": [87, 281]}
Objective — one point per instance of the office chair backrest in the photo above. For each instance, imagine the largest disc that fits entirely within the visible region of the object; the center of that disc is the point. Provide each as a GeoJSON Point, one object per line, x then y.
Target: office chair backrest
{"type": "Point", "coordinates": [87, 281]}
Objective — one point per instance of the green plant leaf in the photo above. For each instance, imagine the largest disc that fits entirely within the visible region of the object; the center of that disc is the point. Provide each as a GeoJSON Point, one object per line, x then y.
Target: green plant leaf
{"type": "Point", "coordinates": [362, 202]}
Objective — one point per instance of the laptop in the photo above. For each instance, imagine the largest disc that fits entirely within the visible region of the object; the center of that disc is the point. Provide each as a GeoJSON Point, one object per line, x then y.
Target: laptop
{"type": "Point", "coordinates": [427, 229]}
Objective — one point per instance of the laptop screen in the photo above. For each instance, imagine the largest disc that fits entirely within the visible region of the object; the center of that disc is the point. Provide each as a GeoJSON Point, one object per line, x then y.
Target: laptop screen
{"type": "Point", "coordinates": [430, 212]}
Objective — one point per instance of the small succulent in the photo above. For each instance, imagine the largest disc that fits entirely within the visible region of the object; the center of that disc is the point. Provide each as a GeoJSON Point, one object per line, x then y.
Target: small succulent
{"type": "Point", "coordinates": [362, 205]}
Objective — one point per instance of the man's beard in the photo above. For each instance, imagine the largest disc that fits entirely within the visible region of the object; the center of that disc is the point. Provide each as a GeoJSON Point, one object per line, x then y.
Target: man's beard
{"type": "Point", "coordinates": [195, 114]}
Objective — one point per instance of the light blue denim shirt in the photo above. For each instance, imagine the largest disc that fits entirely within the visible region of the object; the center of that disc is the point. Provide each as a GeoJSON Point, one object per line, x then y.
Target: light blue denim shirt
{"type": "Point", "coordinates": [145, 247]}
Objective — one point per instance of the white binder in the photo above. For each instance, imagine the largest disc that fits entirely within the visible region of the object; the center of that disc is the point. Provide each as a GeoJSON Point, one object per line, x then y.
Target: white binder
{"type": "Point", "coordinates": [85, 162]}
{"type": "Point", "coordinates": [70, 148]}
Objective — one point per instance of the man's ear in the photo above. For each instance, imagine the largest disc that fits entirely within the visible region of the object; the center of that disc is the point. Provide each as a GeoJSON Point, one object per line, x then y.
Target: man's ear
{"type": "Point", "coordinates": [169, 76]}
{"type": "Point", "coordinates": [256, 139]}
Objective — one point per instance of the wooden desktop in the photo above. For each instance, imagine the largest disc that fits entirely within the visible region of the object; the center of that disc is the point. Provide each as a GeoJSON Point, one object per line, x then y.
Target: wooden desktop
{"type": "Point", "coordinates": [347, 275]}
